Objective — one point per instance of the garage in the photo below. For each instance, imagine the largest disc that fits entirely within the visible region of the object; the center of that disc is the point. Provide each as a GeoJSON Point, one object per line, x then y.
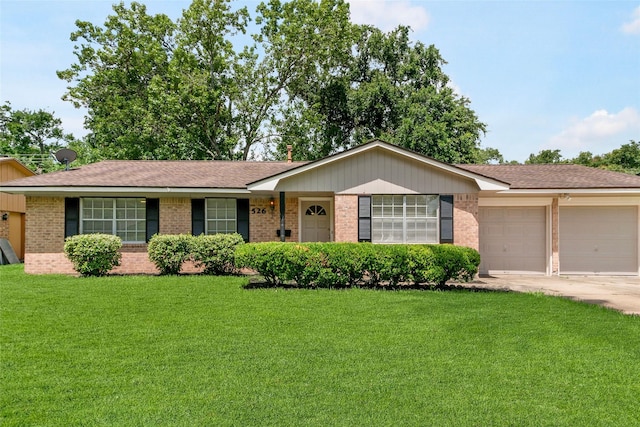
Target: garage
{"type": "Point", "coordinates": [513, 240]}
{"type": "Point", "coordinates": [598, 240]}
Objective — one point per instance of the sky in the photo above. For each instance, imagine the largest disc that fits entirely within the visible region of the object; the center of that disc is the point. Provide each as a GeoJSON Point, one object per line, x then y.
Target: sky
{"type": "Point", "coordinates": [541, 74]}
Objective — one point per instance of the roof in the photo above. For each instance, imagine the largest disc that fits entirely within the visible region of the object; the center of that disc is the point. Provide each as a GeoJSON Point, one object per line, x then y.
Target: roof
{"type": "Point", "coordinates": [159, 174]}
{"type": "Point", "coordinates": [555, 176]}
{"type": "Point", "coordinates": [16, 164]}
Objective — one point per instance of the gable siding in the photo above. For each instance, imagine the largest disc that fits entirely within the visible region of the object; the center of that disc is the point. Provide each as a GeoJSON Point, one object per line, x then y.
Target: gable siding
{"type": "Point", "coordinates": [377, 172]}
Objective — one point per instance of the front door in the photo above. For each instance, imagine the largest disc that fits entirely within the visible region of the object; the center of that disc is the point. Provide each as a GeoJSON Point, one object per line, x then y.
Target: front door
{"type": "Point", "coordinates": [316, 221]}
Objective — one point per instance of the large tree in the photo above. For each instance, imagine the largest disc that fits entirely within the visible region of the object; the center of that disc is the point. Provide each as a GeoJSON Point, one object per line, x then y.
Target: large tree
{"type": "Point", "coordinates": [31, 136]}
{"type": "Point", "coordinates": [311, 78]}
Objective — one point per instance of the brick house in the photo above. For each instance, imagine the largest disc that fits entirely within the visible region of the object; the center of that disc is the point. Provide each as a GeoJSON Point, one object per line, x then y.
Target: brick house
{"type": "Point", "coordinates": [525, 219]}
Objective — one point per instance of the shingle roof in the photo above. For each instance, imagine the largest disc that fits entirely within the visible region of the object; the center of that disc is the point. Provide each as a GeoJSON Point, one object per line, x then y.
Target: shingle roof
{"type": "Point", "coordinates": [554, 176]}
{"type": "Point", "coordinates": [161, 174]}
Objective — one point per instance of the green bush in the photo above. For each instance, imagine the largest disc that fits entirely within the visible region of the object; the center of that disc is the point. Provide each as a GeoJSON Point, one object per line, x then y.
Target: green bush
{"type": "Point", "coordinates": [352, 264]}
{"type": "Point", "coordinates": [265, 258]}
{"type": "Point", "coordinates": [456, 262]}
{"type": "Point", "coordinates": [169, 251]}
{"type": "Point", "coordinates": [216, 252]}
{"type": "Point", "coordinates": [93, 254]}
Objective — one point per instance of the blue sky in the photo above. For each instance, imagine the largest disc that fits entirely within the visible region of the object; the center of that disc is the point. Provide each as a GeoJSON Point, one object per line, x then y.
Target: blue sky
{"type": "Point", "coordinates": [541, 74]}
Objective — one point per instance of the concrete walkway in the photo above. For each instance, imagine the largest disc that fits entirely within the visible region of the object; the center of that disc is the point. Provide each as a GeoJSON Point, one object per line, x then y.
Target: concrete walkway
{"type": "Point", "coordinates": [619, 293]}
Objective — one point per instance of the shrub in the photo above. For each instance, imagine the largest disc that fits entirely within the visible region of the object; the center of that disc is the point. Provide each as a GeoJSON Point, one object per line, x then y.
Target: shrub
{"type": "Point", "coordinates": [93, 254]}
{"type": "Point", "coordinates": [169, 251]}
{"type": "Point", "coordinates": [216, 252]}
{"type": "Point", "coordinates": [350, 264]}
{"type": "Point", "coordinates": [456, 262]}
{"type": "Point", "coordinates": [264, 258]}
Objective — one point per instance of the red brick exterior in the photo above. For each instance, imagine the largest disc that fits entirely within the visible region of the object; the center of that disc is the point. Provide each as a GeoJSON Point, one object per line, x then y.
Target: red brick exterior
{"type": "Point", "coordinates": [263, 227]}
{"type": "Point", "coordinates": [175, 215]}
{"type": "Point", "coordinates": [45, 229]}
{"type": "Point", "coordinates": [4, 227]}
{"type": "Point", "coordinates": [466, 230]}
{"type": "Point", "coordinates": [346, 218]}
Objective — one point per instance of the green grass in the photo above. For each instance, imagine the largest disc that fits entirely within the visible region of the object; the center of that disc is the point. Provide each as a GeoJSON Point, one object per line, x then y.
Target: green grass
{"type": "Point", "coordinates": [198, 350]}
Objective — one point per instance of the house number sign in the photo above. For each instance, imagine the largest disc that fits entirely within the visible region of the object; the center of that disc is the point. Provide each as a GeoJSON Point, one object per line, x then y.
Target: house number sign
{"type": "Point", "coordinates": [259, 211]}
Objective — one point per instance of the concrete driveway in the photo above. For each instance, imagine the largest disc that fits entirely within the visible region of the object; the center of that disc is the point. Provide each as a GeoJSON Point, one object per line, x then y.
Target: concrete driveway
{"type": "Point", "coordinates": [619, 293]}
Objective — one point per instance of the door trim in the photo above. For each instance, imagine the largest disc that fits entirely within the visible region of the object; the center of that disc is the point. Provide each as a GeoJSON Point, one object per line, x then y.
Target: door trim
{"type": "Point", "coordinates": [313, 199]}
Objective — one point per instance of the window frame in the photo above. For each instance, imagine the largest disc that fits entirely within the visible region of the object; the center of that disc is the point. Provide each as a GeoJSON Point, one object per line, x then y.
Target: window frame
{"type": "Point", "coordinates": [207, 219]}
{"type": "Point", "coordinates": [393, 207]}
{"type": "Point", "coordinates": [114, 218]}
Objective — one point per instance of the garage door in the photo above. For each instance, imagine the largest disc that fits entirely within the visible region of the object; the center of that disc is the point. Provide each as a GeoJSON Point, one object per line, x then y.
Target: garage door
{"type": "Point", "coordinates": [513, 240]}
{"type": "Point", "coordinates": [599, 240]}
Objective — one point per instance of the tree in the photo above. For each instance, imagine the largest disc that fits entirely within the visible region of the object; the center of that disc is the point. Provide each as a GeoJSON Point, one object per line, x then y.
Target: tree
{"type": "Point", "coordinates": [31, 136]}
{"type": "Point", "coordinates": [624, 159]}
{"type": "Point", "coordinates": [159, 89]}
{"type": "Point", "coordinates": [545, 157]}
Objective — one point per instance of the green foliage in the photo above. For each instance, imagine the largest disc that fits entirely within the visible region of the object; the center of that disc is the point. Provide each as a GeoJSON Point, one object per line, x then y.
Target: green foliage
{"type": "Point", "coordinates": [624, 159]}
{"type": "Point", "coordinates": [93, 254]}
{"type": "Point", "coordinates": [354, 264]}
{"type": "Point", "coordinates": [169, 251]}
{"type": "Point", "coordinates": [31, 137]}
{"type": "Point", "coordinates": [545, 157]}
{"type": "Point", "coordinates": [158, 89]}
{"type": "Point", "coordinates": [216, 252]}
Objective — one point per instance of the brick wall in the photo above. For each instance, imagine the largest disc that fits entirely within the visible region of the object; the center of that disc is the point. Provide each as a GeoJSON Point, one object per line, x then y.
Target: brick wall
{"type": "Point", "coordinates": [466, 231]}
{"type": "Point", "coordinates": [4, 227]}
{"type": "Point", "coordinates": [263, 226]}
{"type": "Point", "coordinates": [175, 215]}
{"type": "Point", "coordinates": [346, 218]}
{"type": "Point", "coordinates": [44, 225]}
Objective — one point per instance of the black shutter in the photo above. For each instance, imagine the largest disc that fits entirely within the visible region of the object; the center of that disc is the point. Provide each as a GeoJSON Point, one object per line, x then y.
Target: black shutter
{"type": "Point", "coordinates": [242, 211]}
{"type": "Point", "coordinates": [364, 218]}
{"type": "Point", "coordinates": [446, 219]}
{"type": "Point", "coordinates": [153, 217]}
{"type": "Point", "coordinates": [197, 217]}
{"type": "Point", "coordinates": [71, 216]}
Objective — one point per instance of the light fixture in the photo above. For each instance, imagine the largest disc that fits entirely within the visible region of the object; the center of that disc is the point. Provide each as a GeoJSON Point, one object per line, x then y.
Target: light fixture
{"type": "Point", "coordinates": [566, 196]}
{"type": "Point", "coordinates": [5, 216]}
{"type": "Point", "coordinates": [272, 204]}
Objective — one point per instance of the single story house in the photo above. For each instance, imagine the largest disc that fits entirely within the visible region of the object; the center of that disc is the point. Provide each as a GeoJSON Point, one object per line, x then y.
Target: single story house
{"type": "Point", "coordinates": [524, 219]}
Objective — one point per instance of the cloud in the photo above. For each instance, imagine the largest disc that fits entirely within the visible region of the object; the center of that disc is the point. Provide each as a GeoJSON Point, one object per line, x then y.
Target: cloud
{"type": "Point", "coordinates": [599, 133]}
{"type": "Point", "coordinates": [387, 14]}
{"type": "Point", "coordinates": [633, 27]}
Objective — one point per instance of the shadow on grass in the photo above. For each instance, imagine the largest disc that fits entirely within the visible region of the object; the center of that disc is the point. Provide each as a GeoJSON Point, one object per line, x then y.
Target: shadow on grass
{"type": "Point", "coordinates": [260, 283]}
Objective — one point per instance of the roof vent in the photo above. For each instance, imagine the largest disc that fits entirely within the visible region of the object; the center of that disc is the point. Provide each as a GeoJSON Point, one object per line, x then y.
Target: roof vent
{"type": "Point", "coordinates": [65, 156]}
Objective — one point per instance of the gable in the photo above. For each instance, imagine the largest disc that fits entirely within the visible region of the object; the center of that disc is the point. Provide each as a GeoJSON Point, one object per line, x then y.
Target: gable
{"type": "Point", "coordinates": [377, 171]}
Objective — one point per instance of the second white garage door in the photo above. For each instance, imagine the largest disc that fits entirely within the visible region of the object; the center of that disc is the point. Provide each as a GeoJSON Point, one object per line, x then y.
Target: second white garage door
{"type": "Point", "coordinates": [599, 240]}
{"type": "Point", "coordinates": [513, 239]}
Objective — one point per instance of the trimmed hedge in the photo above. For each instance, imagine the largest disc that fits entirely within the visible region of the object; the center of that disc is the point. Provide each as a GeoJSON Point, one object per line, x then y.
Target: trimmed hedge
{"type": "Point", "coordinates": [357, 264]}
{"type": "Point", "coordinates": [93, 254]}
{"type": "Point", "coordinates": [216, 252]}
{"type": "Point", "coordinates": [169, 251]}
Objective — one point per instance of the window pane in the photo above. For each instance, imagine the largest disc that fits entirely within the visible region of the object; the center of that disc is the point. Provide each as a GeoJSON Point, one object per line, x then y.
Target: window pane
{"type": "Point", "coordinates": [221, 216]}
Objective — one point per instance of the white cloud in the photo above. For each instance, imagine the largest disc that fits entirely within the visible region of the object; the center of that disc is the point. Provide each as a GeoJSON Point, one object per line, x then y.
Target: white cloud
{"type": "Point", "coordinates": [598, 133]}
{"type": "Point", "coordinates": [633, 26]}
{"type": "Point", "coordinates": [388, 14]}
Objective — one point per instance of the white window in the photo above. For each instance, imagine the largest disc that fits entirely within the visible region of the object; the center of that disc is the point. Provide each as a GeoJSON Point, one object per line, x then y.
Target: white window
{"type": "Point", "coordinates": [221, 216]}
{"type": "Point", "coordinates": [125, 218]}
{"type": "Point", "coordinates": [404, 219]}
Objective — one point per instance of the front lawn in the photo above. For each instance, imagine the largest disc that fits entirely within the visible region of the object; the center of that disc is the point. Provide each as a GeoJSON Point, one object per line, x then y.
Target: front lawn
{"type": "Point", "coordinates": [198, 350]}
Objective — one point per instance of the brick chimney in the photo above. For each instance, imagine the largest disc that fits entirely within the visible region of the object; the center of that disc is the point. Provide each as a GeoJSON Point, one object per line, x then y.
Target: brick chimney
{"type": "Point", "coordinates": [289, 150]}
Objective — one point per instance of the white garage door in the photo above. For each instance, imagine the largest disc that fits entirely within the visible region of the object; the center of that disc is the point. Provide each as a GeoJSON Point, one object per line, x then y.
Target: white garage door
{"type": "Point", "coordinates": [599, 240]}
{"type": "Point", "coordinates": [513, 240]}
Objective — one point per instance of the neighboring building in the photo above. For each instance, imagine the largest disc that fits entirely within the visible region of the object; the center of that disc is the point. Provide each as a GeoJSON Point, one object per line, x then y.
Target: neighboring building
{"type": "Point", "coordinates": [531, 219]}
{"type": "Point", "coordinates": [12, 206]}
